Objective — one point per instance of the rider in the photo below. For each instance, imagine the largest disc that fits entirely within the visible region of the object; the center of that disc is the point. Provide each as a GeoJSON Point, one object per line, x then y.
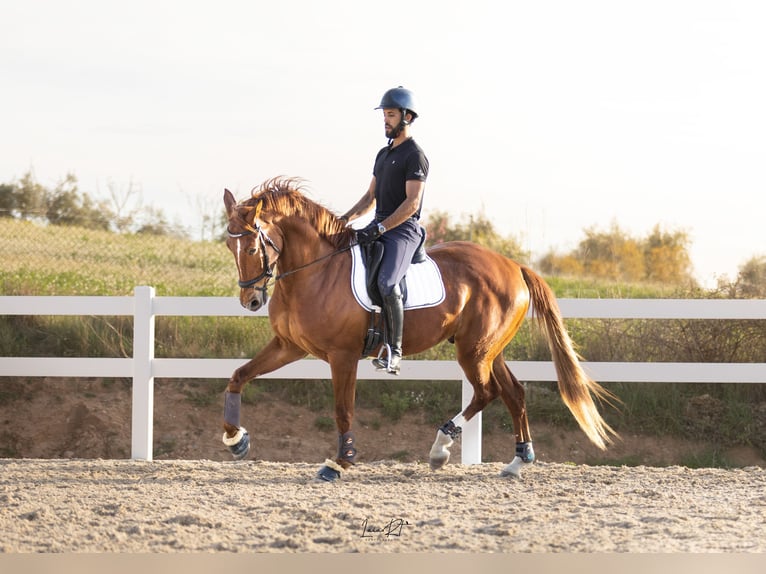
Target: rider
{"type": "Point", "coordinates": [396, 192]}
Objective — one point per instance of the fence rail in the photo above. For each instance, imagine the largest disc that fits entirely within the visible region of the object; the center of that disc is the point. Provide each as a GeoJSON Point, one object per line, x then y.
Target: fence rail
{"type": "Point", "coordinates": [143, 367]}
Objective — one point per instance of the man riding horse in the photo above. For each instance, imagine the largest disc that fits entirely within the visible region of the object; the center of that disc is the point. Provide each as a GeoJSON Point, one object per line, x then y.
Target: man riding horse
{"type": "Point", "coordinates": [396, 192]}
{"type": "Point", "coordinates": [486, 298]}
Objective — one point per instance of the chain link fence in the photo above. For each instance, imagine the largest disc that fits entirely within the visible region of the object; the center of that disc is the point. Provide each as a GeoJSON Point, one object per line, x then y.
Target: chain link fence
{"type": "Point", "coordinates": [59, 260]}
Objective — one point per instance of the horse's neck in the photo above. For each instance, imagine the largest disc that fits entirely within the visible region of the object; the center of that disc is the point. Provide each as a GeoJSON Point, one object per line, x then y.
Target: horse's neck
{"type": "Point", "coordinates": [302, 245]}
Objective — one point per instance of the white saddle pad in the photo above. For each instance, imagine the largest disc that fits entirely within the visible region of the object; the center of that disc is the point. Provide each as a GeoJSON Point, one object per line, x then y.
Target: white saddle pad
{"type": "Point", "coordinates": [425, 287]}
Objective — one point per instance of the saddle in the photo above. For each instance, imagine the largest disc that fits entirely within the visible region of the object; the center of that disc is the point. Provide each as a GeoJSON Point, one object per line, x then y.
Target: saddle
{"type": "Point", "coordinates": [373, 256]}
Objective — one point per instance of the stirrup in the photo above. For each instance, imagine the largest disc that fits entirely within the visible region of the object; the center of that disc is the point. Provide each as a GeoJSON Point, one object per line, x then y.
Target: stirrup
{"type": "Point", "coordinates": [386, 365]}
{"type": "Point", "coordinates": [379, 362]}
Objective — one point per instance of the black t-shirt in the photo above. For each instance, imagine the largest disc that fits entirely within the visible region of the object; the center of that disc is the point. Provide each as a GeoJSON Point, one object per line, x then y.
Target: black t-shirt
{"type": "Point", "coordinates": [393, 167]}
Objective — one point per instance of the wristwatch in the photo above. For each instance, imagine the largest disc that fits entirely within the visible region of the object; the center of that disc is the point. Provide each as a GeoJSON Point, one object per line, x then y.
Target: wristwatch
{"type": "Point", "coordinates": [381, 229]}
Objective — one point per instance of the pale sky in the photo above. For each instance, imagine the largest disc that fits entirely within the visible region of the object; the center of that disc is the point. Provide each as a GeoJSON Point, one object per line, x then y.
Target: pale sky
{"type": "Point", "coordinates": [547, 117]}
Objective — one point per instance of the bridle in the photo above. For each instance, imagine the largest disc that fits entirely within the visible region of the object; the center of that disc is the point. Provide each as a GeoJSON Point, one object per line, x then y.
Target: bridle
{"type": "Point", "coordinates": [268, 267]}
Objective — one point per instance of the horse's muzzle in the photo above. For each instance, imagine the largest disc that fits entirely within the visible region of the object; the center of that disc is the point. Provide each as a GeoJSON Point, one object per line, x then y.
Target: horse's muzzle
{"type": "Point", "coordinates": [252, 300]}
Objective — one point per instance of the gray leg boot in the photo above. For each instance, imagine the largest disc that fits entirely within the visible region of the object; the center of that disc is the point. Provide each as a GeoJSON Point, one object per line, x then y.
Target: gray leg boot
{"type": "Point", "coordinates": [393, 314]}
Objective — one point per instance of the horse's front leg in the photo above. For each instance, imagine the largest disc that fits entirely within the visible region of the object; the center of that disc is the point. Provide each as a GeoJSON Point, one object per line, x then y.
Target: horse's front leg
{"type": "Point", "coordinates": [344, 391]}
{"type": "Point", "coordinates": [277, 353]}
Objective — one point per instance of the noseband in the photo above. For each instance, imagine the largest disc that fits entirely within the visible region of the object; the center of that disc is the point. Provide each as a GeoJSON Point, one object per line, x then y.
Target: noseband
{"type": "Point", "coordinates": [268, 267]}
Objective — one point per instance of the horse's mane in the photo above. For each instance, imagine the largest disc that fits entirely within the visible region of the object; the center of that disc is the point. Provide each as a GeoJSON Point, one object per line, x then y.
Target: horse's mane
{"type": "Point", "coordinates": [284, 195]}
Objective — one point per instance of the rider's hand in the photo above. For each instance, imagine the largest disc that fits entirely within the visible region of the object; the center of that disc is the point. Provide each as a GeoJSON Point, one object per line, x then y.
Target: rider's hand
{"type": "Point", "coordinates": [368, 234]}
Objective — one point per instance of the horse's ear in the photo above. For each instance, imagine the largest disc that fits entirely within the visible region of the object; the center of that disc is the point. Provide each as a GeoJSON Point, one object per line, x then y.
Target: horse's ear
{"type": "Point", "coordinates": [258, 207]}
{"type": "Point", "coordinates": [229, 201]}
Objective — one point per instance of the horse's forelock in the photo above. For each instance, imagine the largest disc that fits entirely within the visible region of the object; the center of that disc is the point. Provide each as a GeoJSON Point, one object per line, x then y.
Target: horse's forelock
{"type": "Point", "coordinates": [239, 214]}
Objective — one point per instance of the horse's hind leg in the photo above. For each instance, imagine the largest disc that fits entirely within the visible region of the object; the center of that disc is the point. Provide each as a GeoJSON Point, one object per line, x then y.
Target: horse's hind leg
{"type": "Point", "coordinates": [484, 392]}
{"type": "Point", "coordinates": [513, 395]}
{"type": "Point", "coordinates": [479, 347]}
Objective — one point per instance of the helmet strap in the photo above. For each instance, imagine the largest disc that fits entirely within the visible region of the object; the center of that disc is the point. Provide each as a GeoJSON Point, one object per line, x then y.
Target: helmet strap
{"type": "Point", "coordinates": [398, 129]}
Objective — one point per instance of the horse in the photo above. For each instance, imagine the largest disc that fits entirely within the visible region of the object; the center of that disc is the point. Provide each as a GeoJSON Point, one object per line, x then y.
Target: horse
{"type": "Point", "coordinates": [312, 311]}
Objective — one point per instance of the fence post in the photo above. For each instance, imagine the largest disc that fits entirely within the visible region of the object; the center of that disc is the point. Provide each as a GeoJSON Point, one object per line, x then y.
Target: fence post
{"type": "Point", "coordinates": [471, 436]}
{"type": "Point", "coordinates": [142, 433]}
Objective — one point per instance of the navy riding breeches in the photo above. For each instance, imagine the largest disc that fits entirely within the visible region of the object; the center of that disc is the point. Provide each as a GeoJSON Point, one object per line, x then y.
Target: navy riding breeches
{"type": "Point", "coordinates": [400, 243]}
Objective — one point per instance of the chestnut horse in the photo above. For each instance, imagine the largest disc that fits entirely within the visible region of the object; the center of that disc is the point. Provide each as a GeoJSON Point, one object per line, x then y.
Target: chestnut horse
{"type": "Point", "coordinates": [313, 311]}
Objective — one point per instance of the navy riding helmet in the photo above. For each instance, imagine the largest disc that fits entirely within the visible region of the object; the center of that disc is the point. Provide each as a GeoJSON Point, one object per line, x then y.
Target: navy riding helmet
{"type": "Point", "coordinates": [401, 98]}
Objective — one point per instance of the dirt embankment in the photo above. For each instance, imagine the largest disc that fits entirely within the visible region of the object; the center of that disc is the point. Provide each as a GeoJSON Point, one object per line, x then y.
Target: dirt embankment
{"type": "Point", "coordinates": [92, 419]}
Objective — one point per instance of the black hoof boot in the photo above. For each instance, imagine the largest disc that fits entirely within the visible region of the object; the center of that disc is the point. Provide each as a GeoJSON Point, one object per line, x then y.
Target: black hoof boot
{"type": "Point", "coordinates": [525, 452]}
{"type": "Point", "coordinates": [330, 472]}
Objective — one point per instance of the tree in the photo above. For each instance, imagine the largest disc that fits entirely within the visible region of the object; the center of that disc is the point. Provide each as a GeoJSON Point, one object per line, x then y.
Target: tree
{"type": "Point", "coordinates": [7, 199]}
{"type": "Point", "coordinates": [611, 255]}
{"type": "Point", "coordinates": [154, 223]}
{"type": "Point", "coordinates": [126, 205]}
{"type": "Point", "coordinates": [751, 280]}
{"type": "Point", "coordinates": [29, 200]}
{"type": "Point", "coordinates": [67, 206]}
{"type": "Point", "coordinates": [212, 218]}
{"type": "Point", "coordinates": [439, 228]}
{"type": "Point", "coordinates": [667, 256]}
{"type": "Point", "coordinates": [477, 229]}
{"type": "Point", "coordinates": [567, 265]}
{"type": "Point", "coordinates": [662, 256]}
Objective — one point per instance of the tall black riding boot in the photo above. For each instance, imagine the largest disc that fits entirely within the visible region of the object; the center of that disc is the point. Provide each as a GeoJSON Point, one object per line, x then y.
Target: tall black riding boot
{"type": "Point", "coordinates": [393, 314]}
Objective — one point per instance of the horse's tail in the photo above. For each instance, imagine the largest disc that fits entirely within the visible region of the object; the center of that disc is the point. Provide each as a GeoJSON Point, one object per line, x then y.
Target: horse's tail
{"type": "Point", "coordinates": [576, 388]}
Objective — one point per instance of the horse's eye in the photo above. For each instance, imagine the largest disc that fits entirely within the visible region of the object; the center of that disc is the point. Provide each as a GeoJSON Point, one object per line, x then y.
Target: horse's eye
{"type": "Point", "coordinates": [252, 251]}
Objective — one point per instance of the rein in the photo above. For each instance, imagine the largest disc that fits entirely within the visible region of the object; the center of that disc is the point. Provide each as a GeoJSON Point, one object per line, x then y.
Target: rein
{"type": "Point", "coordinates": [310, 263]}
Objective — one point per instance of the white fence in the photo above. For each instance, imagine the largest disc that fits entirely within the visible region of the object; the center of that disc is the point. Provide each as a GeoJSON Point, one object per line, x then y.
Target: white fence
{"type": "Point", "coordinates": [143, 367]}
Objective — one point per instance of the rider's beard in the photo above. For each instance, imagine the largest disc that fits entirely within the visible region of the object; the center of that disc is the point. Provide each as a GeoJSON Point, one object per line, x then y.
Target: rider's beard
{"type": "Point", "coordinates": [393, 132]}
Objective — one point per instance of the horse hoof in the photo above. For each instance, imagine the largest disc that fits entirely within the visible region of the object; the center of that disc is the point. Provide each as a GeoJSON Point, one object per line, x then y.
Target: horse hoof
{"type": "Point", "coordinates": [327, 474]}
{"type": "Point", "coordinates": [239, 444]}
{"type": "Point", "coordinates": [437, 463]}
{"type": "Point", "coordinates": [439, 455]}
{"type": "Point", "coordinates": [513, 470]}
